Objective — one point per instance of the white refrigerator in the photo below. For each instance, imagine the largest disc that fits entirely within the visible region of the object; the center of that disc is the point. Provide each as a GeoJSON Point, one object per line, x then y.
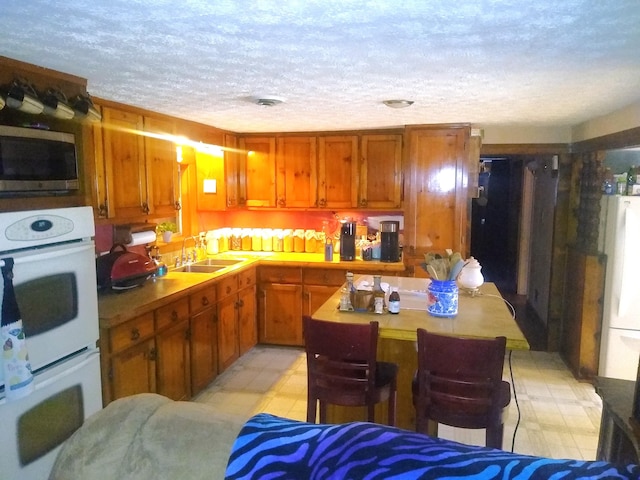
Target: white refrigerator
{"type": "Point", "coordinates": [620, 341]}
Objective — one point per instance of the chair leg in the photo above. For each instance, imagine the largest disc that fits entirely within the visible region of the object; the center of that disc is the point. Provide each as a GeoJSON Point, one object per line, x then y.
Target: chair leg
{"type": "Point", "coordinates": [494, 436]}
{"type": "Point", "coordinates": [311, 408]}
{"type": "Point", "coordinates": [323, 411]}
{"type": "Point", "coordinates": [392, 404]}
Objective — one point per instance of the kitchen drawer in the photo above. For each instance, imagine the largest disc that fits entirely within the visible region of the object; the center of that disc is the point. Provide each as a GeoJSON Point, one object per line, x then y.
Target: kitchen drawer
{"type": "Point", "coordinates": [280, 275]}
{"type": "Point", "coordinates": [247, 278]}
{"type": "Point", "coordinates": [227, 286]}
{"type": "Point", "coordinates": [202, 300]}
{"type": "Point", "coordinates": [131, 332]}
{"type": "Point", "coordinates": [323, 276]}
{"type": "Point", "coordinates": [172, 313]}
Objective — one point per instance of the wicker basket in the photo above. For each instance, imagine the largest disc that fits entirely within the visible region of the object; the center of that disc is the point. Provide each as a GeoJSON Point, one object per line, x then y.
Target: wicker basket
{"type": "Point", "coordinates": [361, 300]}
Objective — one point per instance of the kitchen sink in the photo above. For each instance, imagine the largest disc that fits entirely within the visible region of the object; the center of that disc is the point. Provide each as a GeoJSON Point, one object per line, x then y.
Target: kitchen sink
{"type": "Point", "coordinates": [195, 268]}
{"type": "Point", "coordinates": [218, 262]}
{"type": "Point", "coordinates": [209, 265]}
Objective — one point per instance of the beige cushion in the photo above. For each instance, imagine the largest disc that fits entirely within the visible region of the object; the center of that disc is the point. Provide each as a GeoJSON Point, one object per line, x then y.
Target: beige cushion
{"type": "Point", "coordinates": [148, 436]}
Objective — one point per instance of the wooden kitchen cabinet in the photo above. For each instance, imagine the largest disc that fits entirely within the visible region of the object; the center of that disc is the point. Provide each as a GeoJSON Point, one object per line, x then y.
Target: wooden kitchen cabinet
{"type": "Point", "coordinates": [137, 176]}
{"type": "Point", "coordinates": [203, 338]}
{"type": "Point", "coordinates": [280, 306]}
{"type": "Point", "coordinates": [162, 168]}
{"type": "Point", "coordinates": [259, 171]}
{"type": "Point", "coordinates": [236, 316]}
{"type": "Point", "coordinates": [124, 163]}
{"type": "Point", "coordinates": [436, 198]}
{"type": "Point", "coordinates": [297, 178]}
{"type": "Point", "coordinates": [133, 371]}
{"type": "Point", "coordinates": [128, 358]}
{"type": "Point", "coordinates": [338, 179]}
{"type": "Point", "coordinates": [173, 354]}
{"type": "Point", "coordinates": [318, 286]}
{"type": "Point", "coordinates": [380, 172]}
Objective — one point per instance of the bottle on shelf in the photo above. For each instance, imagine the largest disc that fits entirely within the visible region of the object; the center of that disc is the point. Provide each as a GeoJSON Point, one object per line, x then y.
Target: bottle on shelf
{"type": "Point", "coordinates": [631, 179]}
{"type": "Point", "coordinates": [347, 294]}
{"type": "Point", "coordinates": [328, 249]}
{"type": "Point", "coordinates": [394, 301]}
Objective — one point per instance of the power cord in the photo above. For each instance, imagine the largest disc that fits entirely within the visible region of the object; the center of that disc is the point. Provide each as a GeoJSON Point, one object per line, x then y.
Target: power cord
{"type": "Point", "coordinates": [515, 395]}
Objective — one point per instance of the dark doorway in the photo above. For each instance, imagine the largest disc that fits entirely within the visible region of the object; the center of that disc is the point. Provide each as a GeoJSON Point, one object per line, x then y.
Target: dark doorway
{"type": "Point", "coordinates": [495, 219]}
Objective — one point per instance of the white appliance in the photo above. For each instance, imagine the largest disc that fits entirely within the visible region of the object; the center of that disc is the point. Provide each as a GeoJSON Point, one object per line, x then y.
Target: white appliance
{"type": "Point", "coordinates": [620, 340]}
{"type": "Point", "coordinates": [54, 276]}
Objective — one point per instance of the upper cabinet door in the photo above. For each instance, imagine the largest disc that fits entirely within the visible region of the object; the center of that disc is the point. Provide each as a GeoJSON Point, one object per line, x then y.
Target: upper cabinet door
{"type": "Point", "coordinates": [127, 194]}
{"type": "Point", "coordinates": [162, 168]}
{"type": "Point", "coordinates": [436, 200]}
{"type": "Point", "coordinates": [235, 180]}
{"type": "Point", "coordinates": [260, 171]}
{"type": "Point", "coordinates": [297, 178]}
{"type": "Point", "coordinates": [380, 172]}
{"type": "Point", "coordinates": [338, 172]}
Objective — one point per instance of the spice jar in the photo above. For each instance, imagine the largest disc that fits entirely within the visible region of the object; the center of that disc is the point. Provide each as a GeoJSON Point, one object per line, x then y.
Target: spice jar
{"type": "Point", "coordinates": [236, 239]}
{"type": "Point", "coordinates": [246, 239]}
{"type": "Point", "coordinates": [278, 240]}
{"type": "Point", "coordinates": [256, 239]}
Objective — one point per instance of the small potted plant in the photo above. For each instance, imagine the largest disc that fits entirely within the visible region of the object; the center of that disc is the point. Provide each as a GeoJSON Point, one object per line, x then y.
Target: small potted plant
{"type": "Point", "coordinates": [167, 229]}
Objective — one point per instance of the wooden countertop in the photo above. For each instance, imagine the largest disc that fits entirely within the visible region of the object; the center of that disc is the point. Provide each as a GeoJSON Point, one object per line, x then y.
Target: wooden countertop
{"type": "Point", "coordinates": [117, 307]}
{"type": "Point", "coordinates": [483, 315]}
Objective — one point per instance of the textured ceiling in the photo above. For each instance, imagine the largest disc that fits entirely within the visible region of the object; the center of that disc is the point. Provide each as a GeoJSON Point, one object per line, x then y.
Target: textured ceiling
{"type": "Point", "coordinates": [488, 62]}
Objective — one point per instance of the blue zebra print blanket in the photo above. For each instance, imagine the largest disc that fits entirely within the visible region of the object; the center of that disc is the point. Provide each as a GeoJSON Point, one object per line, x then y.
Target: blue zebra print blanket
{"type": "Point", "coordinates": [270, 447]}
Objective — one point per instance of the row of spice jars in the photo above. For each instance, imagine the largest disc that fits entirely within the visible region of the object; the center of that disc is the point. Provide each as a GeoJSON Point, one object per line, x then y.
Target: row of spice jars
{"type": "Point", "coordinates": [265, 240]}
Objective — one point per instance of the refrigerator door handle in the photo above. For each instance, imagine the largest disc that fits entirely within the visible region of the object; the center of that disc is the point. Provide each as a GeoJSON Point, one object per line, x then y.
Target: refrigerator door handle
{"type": "Point", "coordinates": [629, 270]}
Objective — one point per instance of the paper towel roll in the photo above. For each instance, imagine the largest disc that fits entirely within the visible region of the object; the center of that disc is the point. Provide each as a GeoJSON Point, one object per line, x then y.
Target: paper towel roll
{"type": "Point", "coordinates": [140, 238]}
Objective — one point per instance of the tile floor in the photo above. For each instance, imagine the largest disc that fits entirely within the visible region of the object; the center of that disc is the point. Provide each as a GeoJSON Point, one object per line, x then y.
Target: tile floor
{"type": "Point", "coordinates": [560, 416]}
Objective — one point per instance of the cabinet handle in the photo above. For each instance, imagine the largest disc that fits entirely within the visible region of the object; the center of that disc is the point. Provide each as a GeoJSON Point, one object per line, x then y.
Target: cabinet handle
{"type": "Point", "coordinates": [135, 334]}
{"type": "Point", "coordinates": [363, 202]}
{"type": "Point", "coordinates": [240, 303]}
{"type": "Point", "coordinates": [145, 207]}
{"type": "Point", "coordinates": [228, 290]}
{"type": "Point", "coordinates": [187, 334]}
{"type": "Point", "coordinates": [103, 211]}
{"type": "Point", "coordinates": [174, 315]}
{"type": "Point", "coordinates": [205, 301]}
{"type": "Point", "coordinates": [282, 202]}
{"type": "Point", "coordinates": [322, 202]}
{"type": "Point", "coordinates": [177, 205]}
{"type": "Point", "coordinates": [153, 354]}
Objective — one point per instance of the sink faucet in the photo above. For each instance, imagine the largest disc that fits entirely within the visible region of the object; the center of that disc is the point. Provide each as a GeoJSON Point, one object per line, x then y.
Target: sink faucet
{"type": "Point", "coordinates": [185, 258]}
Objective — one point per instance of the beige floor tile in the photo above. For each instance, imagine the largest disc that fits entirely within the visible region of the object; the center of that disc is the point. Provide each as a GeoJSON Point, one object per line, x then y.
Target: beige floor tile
{"type": "Point", "coordinates": [559, 416]}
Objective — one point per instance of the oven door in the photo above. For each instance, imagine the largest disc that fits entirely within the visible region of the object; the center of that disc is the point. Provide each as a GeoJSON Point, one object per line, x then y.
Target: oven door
{"type": "Point", "coordinates": [35, 427]}
{"type": "Point", "coordinates": [57, 296]}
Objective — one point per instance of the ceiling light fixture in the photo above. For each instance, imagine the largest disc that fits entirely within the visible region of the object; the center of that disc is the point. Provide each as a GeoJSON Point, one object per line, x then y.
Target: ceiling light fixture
{"type": "Point", "coordinates": [267, 101]}
{"type": "Point", "coordinates": [398, 103]}
{"type": "Point", "coordinates": [22, 96]}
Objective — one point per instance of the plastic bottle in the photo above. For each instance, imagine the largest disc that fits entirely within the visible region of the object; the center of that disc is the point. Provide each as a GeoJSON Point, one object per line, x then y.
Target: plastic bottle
{"type": "Point", "coordinates": [631, 179]}
{"type": "Point", "coordinates": [348, 291]}
{"type": "Point", "coordinates": [394, 301]}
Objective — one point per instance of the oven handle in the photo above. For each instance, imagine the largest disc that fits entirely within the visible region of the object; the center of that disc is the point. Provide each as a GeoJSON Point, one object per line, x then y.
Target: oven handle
{"type": "Point", "coordinates": [48, 255]}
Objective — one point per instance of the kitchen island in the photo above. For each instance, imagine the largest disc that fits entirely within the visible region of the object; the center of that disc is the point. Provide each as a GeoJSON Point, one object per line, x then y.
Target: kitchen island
{"type": "Point", "coordinates": [484, 315]}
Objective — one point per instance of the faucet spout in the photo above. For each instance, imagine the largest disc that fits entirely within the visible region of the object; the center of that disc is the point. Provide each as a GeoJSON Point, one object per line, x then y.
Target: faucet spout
{"type": "Point", "coordinates": [183, 256]}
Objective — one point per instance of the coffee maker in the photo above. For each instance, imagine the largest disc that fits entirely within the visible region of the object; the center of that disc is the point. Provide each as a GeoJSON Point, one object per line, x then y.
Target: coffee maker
{"type": "Point", "coordinates": [348, 241]}
{"type": "Point", "coordinates": [389, 248]}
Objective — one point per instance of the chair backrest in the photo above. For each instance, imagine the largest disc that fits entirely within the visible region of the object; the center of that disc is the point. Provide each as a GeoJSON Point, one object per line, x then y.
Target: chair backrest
{"type": "Point", "coordinates": [459, 379]}
{"type": "Point", "coordinates": [341, 359]}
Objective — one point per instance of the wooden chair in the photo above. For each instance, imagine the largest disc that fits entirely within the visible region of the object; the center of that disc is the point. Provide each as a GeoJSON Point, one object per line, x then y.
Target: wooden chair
{"type": "Point", "coordinates": [342, 368]}
{"type": "Point", "coordinates": [459, 383]}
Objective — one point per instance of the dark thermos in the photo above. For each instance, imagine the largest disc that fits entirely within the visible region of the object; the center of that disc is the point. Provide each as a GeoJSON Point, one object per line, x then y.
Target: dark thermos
{"type": "Point", "coordinates": [389, 248]}
{"type": "Point", "coordinates": [348, 241]}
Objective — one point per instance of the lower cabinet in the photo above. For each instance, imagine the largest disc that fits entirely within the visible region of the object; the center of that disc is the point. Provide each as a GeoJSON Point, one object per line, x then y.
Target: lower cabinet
{"type": "Point", "coordinates": [177, 349]}
{"type": "Point", "coordinates": [236, 317]}
{"type": "Point", "coordinates": [203, 338]}
{"type": "Point", "coordinates": [280, 306]}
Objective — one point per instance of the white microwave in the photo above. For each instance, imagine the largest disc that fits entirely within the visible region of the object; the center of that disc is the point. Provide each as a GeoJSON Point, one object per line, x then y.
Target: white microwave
{"type": "Point", "coordinates": [37, 161]}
